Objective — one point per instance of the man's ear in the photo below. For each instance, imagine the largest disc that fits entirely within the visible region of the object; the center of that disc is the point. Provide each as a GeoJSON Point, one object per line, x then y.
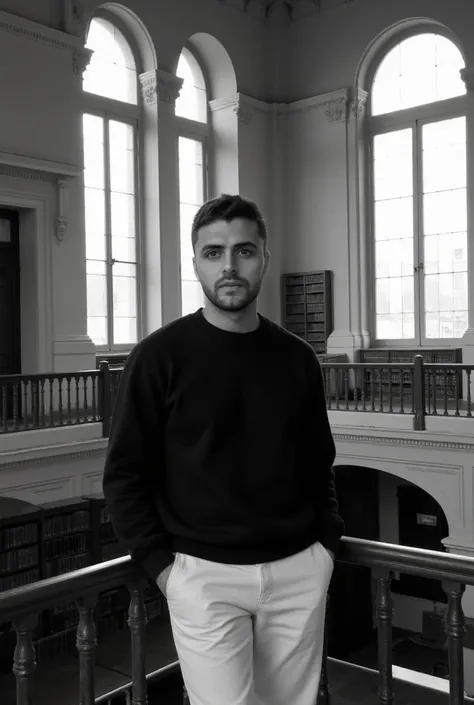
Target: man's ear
{"type": "Point", "coordinates": [268, 258]}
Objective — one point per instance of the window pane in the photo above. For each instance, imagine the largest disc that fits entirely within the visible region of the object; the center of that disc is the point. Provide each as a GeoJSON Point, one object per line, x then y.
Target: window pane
{"type": "Point", "coordinates": [122, 150]}
{"type": "Point", "coordinates": [191, 194]}
{"type": "Point", "coordinates": [393, 169]}
{"type": "Point", "coordinates": [123, 227]}
{"type": "Point", "coordinates": [445, 225]}
{"type": "Point", "coordinates": [444, 155]}
{"type": "Point", "coordinates": [95, 223]}
{"type": "Point", "coordinates": [125, 331]}
{"type": "Point", "coordinates": [421, 69]}
{"type": "Point", "coordinates": [393, 223]}
{"type": "Point", "coordinates": [111, 72]}
{"type": "Point", "coordinates": [192, 297]}
{"type": "Point", "coordinates": [192, 101]}
{"type": "Point", "coordinates": [190, 171]}
{"type": "Point", "coordinates": [93, 132]}
{"type": "Point", "coordinates": [125, 303]}
{"type": "Point", "coordinates": [96, 302]}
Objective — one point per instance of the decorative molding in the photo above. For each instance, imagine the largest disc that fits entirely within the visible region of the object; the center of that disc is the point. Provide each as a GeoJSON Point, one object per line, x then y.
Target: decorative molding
{"type": "Point", "coordinates": [46, 166]}
{"type": "Point", "coordinates": [223, 103]}
{"type": "Point", "coordinates": [467, 75]}
{"type": "Point", "coordinates": [357, 104]}
{"type": "Point", "coordinates": [411, 442]}
{"type": "Point", "coordinates": [25, 174]}
{"type": "Point", "coordinates": [160, 86]}
{"type": "Point", "coordinates": [335, 110]}
{"type": "Point", "coordinates": [244, 116]}
{"type": "Point", "coordinates": [38, 32]}
{"type": "Point", "coordinates": [80, 60]}
{"type": "Point", "coordinates": [61, 220]}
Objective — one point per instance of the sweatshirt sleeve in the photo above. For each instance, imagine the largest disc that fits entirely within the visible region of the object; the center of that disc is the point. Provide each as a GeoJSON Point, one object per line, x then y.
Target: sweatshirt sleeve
{"type": "Point", "coordinates": [332, 523]}
{"type": "Point", "coordinates": [132, 466]}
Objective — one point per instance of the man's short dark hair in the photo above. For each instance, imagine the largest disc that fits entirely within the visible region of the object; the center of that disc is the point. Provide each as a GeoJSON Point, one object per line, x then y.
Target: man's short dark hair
{"type": "Point", "coordinates": [227, 207]}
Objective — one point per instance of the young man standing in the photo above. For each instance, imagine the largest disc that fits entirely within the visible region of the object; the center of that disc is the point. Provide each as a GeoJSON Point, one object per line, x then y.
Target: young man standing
{"type": "Point", "coordinates": [219, 478]}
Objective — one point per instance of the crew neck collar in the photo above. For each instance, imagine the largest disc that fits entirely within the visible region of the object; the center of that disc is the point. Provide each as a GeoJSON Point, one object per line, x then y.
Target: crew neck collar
{"type": "Point", "coordinates": [223, 334]}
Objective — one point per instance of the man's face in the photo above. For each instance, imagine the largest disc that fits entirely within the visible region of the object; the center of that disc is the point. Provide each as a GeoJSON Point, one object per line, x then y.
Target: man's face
{"type": "Point", "coordinates": [230, 262]}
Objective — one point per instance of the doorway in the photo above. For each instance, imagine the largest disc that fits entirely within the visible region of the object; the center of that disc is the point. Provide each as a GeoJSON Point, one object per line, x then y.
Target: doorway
{"type": "Point", "coordinates": [10, 316]}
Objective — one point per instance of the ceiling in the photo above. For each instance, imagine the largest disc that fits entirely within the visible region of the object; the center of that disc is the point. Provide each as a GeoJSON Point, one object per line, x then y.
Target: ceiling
{"type": "Point", "coordinates": [292, 9]}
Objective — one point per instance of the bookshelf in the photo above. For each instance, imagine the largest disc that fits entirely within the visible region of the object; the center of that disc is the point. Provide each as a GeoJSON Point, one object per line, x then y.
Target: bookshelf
{"type": "Point", "coordinates": [20, 560]}
{"type": "Point", "coordinates": [307, 307]}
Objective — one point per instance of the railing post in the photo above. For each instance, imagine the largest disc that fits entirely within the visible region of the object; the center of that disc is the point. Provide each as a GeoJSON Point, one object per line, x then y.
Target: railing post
{"type": "Point", "coordinates": [419, 393]}
{"type": "Point", "coordinates": [137, 621]}
{"type": "Point", "coordinates": [384, 612]}
{"type": "Point", "coordinates": [24, 659]}
{"type": "Point", "coordinates": [324, 692]}
{"type": "Point", "coordinates": [105, 403]}
{"type": "Point", "coordinates": [86, 643]}
{"type": "Point", "coordinates": [455, 628]}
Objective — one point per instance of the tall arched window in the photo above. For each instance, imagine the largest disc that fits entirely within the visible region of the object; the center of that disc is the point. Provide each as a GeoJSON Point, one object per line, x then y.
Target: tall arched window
{"type": "Point", "coordinates": [110, 178]}
{"type": "Point", "coordinates": [418, 157]}
{"type": "Point", "coordinates": [193, 126]}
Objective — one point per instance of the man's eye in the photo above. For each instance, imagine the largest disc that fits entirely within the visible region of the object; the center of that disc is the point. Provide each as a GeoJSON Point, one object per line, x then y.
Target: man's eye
{"type": "Point", "coordinates": [245, 252]}
{"type": "Point", "coordinates": [209, 253]}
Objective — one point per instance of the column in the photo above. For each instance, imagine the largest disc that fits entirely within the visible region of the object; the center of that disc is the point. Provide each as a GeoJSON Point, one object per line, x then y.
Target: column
{"type": "Point", "coordinates": [160, 232]}
{"type": "Point", "coordinates": [467, 75]}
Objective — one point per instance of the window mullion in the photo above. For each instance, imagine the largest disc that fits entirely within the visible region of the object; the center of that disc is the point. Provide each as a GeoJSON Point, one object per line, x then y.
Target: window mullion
{"type": "Point", "coordinates": [108, 235]}
{"type": "Point", "coordinates": [418, 234]}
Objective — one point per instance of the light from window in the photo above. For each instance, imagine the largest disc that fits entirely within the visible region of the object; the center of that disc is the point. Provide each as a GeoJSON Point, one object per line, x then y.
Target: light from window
{"type": "Point", "coordinates": [393, 224]}
{"type": "Point", "coordinates": [192, 101]}
{"type": "Point", "coordinates": [445, 228]}
{"type": "Point", "coordinates": [191, 197]}
{"type": "Point", "coordinates": [421, 69]}
{"type": "Point", "coordinates": [111, 72]}
{"type": "Point", "coordinates": [110, 231]}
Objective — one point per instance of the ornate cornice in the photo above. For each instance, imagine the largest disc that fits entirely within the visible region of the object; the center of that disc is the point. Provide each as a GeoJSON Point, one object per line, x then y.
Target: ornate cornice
{"type": "Point", "coordinates": [357, 104]}
{"type": "Point", "coordinates": [160, 86]}
{"type": "Point", "coordinates": [404, 441]}
{"type": "Point", "coordinates": [38, 32]}
{"type": "Point", "coordinates": [18, 173]}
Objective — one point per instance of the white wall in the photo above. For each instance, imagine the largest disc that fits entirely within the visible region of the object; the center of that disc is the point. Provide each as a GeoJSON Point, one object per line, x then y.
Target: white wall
{"type": "Point", "coordinates": [322, 204]}
{"type": "Point", "coordinates": [41, 122]}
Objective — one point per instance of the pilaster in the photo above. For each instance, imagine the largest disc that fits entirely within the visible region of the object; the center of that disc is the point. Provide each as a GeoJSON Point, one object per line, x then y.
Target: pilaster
{"type": "Point", "coordinates": [467, 75]}
{"type": "Point", "coordinates": [161, 255]}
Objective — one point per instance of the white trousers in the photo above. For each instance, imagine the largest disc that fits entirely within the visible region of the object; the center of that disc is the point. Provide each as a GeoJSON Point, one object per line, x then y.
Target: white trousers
{"type": "Point", "coordinates": [250, 634]}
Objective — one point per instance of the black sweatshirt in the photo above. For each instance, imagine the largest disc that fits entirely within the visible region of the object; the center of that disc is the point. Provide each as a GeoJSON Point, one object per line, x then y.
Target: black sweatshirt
{"type": "Point", "coordinates": [220, 447]}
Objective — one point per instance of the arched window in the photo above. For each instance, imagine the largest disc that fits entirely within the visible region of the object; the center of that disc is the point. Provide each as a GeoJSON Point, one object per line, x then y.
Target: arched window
{"type": "Point", "coordinates": [110, 179]}
{"type": "Point", "coordinates": [192, 117]}
{"type": "Point", "coordinates": [418, 166]}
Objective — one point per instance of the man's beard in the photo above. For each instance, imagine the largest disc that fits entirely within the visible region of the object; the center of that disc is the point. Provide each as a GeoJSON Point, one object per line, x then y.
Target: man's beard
{"type": "Point", "coordinates": [240, 300]}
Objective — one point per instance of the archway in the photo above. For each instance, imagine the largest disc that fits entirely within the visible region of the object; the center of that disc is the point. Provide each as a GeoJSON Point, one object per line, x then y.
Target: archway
{"type": "Point", "coordinates": [380, 506]}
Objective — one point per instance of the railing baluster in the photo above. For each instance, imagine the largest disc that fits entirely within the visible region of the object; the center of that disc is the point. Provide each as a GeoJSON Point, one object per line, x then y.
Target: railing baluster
{"type": "Point", "coordinates": [390, 391]}
{"type": "Point", "coordinates": [76, 379]}
{"type": "Point", "coordinates": [324, 692]}
{"type": "Point", "coordinates": [455, 628]}
{"type": "Point", "coordinates": [41, 394]}
{"type": "Point", "coordinates": [94, 397]}
{"type": "Point", "coordinates": [68, 390]}
{"type": "Point", "coordinates": [51, 407]}
{"type": "Point", "coordinates": [86, 643]}
{"type": "Point", "coordinates": [26, 424]}
{"type": "Point", "coordinates": [60, 400]}
{"type": "Point", "coordinates": [402, 390]}
{"type": "Point", "coordinates": [445, 389]}
{"type": "Point", "coordinates": [469, 401]}
{"type": "Point", "coordinates": [15, 406]}
{"type": "Point", "coordinates": [384, 613]}
{"type": "Point", "coordinates": [346, 386]}
{"type": "Point", "coordinates": [84, 381]}
{"type": "Point", "coordinates": [24, 659]}
{"type": "Point", "coordinates": [4, 407]}
{"type": "Point", "coordinates": [137, 621]}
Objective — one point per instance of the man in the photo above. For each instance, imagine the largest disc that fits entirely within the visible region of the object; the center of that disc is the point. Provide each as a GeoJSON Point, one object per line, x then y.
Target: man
{"type": "Point", "coordinates": [219, 478]}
